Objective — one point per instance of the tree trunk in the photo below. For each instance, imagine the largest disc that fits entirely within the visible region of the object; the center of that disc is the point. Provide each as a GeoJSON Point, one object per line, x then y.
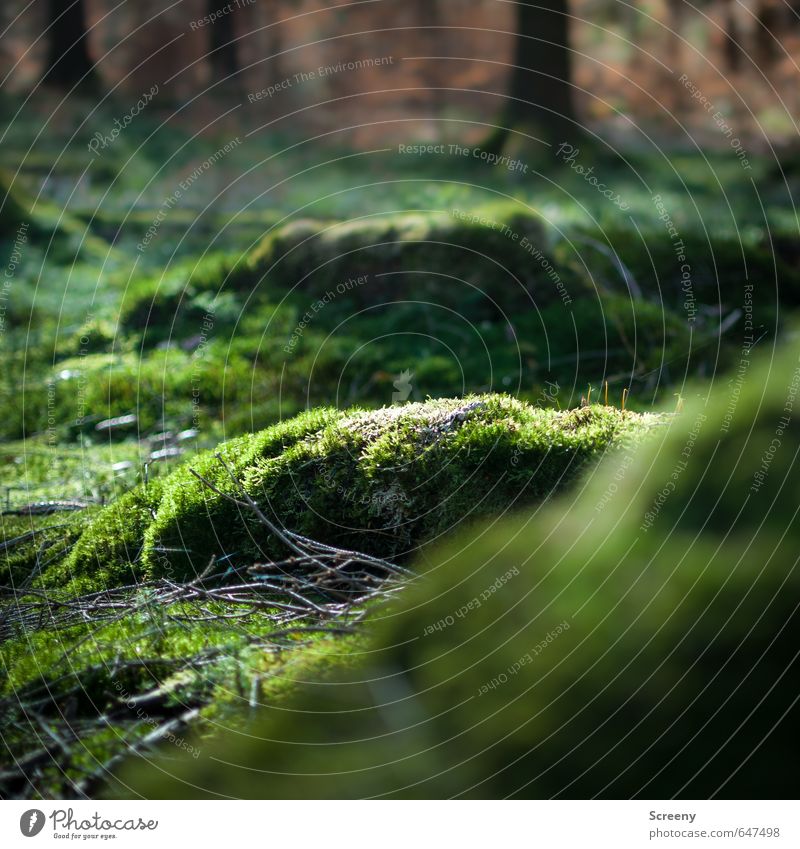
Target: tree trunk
{"type": "Point", "coordinates": [733, 39]}
{"type": "Point", "coordinates": [68, 61]}
{"type": "Point", "coordinates": [674, 92]}
{"type": "Point", "coordinates": [222, 56]}
{"type": "Point", "coordinates": [676, 24]}
{"type": "Point", "coordinates": [771, 20]}
{"type": "Point", "coordinates": [540, 98]}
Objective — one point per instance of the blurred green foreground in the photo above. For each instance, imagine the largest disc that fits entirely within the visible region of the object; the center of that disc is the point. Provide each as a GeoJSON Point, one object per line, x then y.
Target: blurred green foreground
{"type": "Point", "coordinates": [636, 637]}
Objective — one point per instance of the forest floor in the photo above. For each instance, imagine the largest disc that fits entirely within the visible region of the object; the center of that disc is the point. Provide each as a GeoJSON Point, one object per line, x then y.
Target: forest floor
{"type": "Point", "coordinates": [221, 450]}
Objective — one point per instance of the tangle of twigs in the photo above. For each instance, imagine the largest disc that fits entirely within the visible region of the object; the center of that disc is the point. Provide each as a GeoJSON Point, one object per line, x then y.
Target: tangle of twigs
{"type": "Point", "coordinates": [315, 588]}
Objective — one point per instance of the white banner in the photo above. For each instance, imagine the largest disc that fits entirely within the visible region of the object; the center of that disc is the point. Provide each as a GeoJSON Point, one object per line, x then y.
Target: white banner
{"type": "Point", "coordinates": [393, 825]}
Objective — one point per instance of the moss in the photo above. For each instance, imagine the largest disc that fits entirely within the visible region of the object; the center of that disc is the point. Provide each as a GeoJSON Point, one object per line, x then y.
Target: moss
{"type": "Point", "coordinates": [464, 261]}
{"type": "Point", "coordinates": [574, 651]}
{"type": "Point", "coordinates": [108, 552]}
{"type": "Point", "coordinates": [260, 319]}
{"type": "Point", "coordinates": [34, 543]}
{"type": "Point", "coordinates": [386, 480]}
{"type": "Point", "coordinates": [95, 336]}
{"type": "Point", "coordinates": [459, 263]}
{"type": "Point", "coordinates": [192, 523]}
{"type": "Point", "coordinates": [380, 481]}
{"type": "Point", "coordinates": [720, 266]}
{"type": "Point", "coordinates": [188, 662]}
{"type": "Point", "coordinates": [174, 303]}
{"type": "Point", "coordinates": [478, 264]}
{"type": "Point", "coordinates": [611, 334]}
{"type": "Point", "coordinates": [15, 206]}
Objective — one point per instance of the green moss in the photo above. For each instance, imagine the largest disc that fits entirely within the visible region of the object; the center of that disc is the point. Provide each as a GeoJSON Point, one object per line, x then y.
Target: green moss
{"type": "Point", "coordinates": [468, 261]}
{"type": "Point", "coordinates": [188, 659]}
{"type": "Point", "coordinates": [612, 334]}
{"type": "Point", "coordinates": [389, 479]}
{"type": "Point", "coordinates": [738, 454]}
{"type": "Point", "coordinates": [585, 649]}
{"type": "Point", "coordinates": [479, 263]}
{"type": "Point", "coordinates": [192, 523]}
{"type": "Point", "coordinates": [95, 336]}
{"type": "Point", "coordinates": [457, 262]}
{"type": "Point", "coordinates": [722, 268]}
{"type": "Point", "coordinates": [15, 206]}
{"type": "Point", "coordinates": [31, 543]}
{"type": "Point", "coordinates": [108, 553]}
{"type": "Point", "coordinates": [379, 481]}
{"type": "Point", "coordinates": [174, 304]}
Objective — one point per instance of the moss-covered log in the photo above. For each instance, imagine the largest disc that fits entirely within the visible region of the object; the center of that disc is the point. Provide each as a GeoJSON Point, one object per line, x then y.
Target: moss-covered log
{"type": "Point", "coordinates": [378, 481]}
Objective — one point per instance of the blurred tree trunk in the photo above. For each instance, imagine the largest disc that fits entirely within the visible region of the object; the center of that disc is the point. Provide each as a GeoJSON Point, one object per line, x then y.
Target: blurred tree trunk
{"type": "Point", "coordinates": [540, 94]}
{"type": "Point", "coordinates": [429, 16]}
{"type": "Point", "coordinates": [68, 61]}
{"type": "Point", "coordinates": [223, 55]}
{"type": "Point", "coordinates": [676, 23]}
{"type": "Point", "coordinates": [633, 25]}
{"type": "Point", "coordinates": [733, 39]}
{"type": "Point", "coordinates": [771, 19]}
{"type": "Point", "coordinates": [269, 14]}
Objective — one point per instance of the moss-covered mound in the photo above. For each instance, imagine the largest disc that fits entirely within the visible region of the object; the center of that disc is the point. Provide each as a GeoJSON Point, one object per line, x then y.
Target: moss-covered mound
{"type": "Point", "coordinates": [720, 268]}
{"type": "Point", "coordinates": [478, 264]}
{"type": "Point", "coordinates": [638, 640]}
{"type": "Point", "coordinates": [487, 264]}
{"type": "Point", "coordinates": [380, 481]}
{"type": "Point", "coordinates": [468, 260]}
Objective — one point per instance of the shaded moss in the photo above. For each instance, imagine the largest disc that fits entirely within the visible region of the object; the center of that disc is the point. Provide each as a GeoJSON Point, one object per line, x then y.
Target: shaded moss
{"type": "Point", "coordinates": [175, 303]}
{"type": "Point", "coordinates": [15, 206]}
{"type": "Point", "coordinates": [98, 669]}
{"type": "Point", "coordinates": [33, 543]}
{"type": "Point", "coordinates": [468, 261]}
{"type": "Point", "coordinates": [720, 265]}
{"type": "Point", "coordinates": [462, 263]}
